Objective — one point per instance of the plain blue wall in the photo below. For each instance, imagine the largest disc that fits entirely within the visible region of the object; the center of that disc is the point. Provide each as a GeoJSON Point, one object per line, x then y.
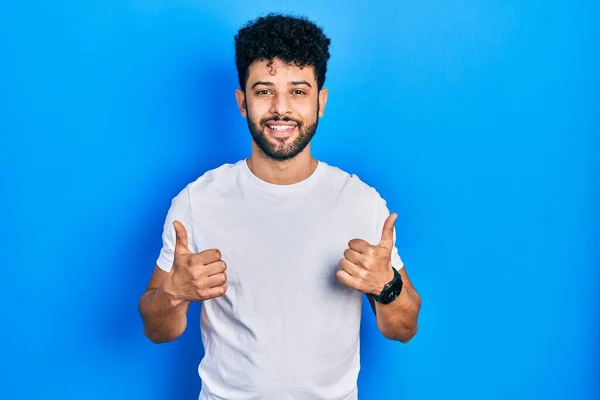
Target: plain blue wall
{"type": "Point", "coordinates": [478, 121]}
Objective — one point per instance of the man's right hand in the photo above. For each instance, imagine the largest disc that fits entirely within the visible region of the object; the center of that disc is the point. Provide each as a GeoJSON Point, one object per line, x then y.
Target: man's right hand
{"type": "Point", "coordinates": [194, 277]}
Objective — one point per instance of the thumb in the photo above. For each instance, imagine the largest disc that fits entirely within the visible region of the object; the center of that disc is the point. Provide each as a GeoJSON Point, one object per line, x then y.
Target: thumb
{"type": "Point", "coordinates": [387, 234]}
{"type": "Point", "coordinates": [181, 239]}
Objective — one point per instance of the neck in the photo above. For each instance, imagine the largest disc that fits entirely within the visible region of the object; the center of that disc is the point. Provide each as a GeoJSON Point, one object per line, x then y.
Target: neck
{"type": "Point", "coordinates": [282, 172]}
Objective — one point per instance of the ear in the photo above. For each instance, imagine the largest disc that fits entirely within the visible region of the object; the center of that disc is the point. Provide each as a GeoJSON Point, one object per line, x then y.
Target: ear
{"type": "Point", "coordinates": [322, 100]}
{"type": "Point", "coordinates": [241, 101]}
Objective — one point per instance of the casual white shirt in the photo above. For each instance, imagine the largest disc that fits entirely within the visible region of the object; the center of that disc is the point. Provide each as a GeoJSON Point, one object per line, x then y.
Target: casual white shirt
{"type": "Point", "coordinates": [286, 329]}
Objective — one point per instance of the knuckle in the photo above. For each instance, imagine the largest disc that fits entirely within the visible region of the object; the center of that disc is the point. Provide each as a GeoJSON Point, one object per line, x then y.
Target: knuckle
{"type": "Point", "coordinates": [363, 274]}
{"type": "Point", "coordinates": [201, 284]}
{"type": "Point", "coordinates": [196, 275]}
{"type": "Point", "coordinates": [194, 259]}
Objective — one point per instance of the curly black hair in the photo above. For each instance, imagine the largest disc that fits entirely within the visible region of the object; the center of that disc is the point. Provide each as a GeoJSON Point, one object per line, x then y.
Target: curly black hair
{"type": "Point", "coordinates": [292, 39]}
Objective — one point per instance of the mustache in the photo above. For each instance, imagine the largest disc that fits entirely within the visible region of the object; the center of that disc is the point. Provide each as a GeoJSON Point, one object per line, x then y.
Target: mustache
{"type": "Point", "coordinates": [276, 118]}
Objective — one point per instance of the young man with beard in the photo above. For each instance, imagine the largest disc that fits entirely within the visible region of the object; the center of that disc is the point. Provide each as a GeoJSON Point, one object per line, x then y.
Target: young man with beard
{"type": "Point", "coordinates": [280, 246]}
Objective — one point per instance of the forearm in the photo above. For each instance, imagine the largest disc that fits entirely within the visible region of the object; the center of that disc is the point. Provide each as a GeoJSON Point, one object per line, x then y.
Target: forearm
{"type": "Point", "coordinates": [398, 319]}
{"type": "Point", "coordinates": [164, 319]}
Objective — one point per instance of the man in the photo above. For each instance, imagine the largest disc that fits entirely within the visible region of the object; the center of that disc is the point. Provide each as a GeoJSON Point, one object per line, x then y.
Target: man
{"type": "Point", "coordinates": [279, 247]}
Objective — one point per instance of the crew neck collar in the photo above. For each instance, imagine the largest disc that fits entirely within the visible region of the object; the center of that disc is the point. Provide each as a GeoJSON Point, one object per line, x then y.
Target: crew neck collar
{"type": "Point", "coordinates": [277, 188]}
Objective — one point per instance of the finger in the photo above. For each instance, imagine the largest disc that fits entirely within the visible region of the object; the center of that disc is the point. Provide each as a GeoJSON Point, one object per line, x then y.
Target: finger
{"type": "Point", "coordinates": [216, 291]}
{"type": "Point", "coordinates": [354, 256]}
{"type": "Point", "coordinates": [215, 280]}
{"type": "Point", "coordinates": [181, 239]}
{"type": "Point", "coordinates": [205, 257]}
{"type": "Point", "coordinates": [215, 268]}
{"type": "Point", "coordinates": [387, 234]}
{"type": "Point", "coordinates": [361, 246]}
{"type": "Point", "coordinates": [347, 279]}
{"type": "Point", "coordinates": [349, 267]}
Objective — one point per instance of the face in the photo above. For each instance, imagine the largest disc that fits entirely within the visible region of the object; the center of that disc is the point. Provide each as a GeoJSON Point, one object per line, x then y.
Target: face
{"type": "Point", "coordinates": [282, 105]}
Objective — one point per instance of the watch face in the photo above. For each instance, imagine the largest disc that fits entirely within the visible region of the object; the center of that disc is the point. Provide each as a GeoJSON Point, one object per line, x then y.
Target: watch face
{"type": "Point", "coordinates": [392, 294]}
{"type": "Point", "coordinates": [391, 291]}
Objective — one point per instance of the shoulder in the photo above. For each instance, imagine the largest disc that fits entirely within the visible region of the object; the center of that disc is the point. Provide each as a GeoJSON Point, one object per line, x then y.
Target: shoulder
{"type": "Point", "coordinates": [211, 181]}
{"type": "Point", "coordinates": [350, 182]}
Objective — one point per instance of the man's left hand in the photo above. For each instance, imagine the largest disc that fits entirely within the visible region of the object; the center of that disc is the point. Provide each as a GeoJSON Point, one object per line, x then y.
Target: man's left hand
{"type": "Point", "coordinates": [368, 268]}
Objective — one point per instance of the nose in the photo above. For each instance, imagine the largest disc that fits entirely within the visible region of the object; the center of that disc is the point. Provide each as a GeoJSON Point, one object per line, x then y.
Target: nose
{"type": "Point", "coordinates": [280, 105]}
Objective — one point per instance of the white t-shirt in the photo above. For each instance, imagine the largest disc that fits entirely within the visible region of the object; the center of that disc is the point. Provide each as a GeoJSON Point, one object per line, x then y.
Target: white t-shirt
{"type": "Point", "coordinates": [286, 329]}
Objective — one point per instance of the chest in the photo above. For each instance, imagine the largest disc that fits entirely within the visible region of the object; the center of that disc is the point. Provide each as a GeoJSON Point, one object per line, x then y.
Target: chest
{"type": "Point", "coordinates": [269, 247]}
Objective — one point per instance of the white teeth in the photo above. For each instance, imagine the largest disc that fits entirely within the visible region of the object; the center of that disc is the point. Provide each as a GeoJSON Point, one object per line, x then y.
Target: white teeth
{"type": "Point", "coordinates": [281, 127]}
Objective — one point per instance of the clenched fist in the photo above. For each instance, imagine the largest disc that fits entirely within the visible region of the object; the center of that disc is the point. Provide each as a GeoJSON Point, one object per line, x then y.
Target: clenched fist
{"type": "Point", "coordinates": [195, 277]}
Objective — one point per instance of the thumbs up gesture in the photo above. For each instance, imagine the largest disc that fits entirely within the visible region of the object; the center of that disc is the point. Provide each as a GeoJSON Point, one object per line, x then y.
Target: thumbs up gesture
{"type": "Point", "coordinates": [195, 277]}
{"type": "Point", "coordinates": [368, 268]}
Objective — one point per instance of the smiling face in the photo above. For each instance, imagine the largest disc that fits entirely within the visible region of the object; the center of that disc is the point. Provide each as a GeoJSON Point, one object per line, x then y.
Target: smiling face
{"type": "Point", "coordinates": [282, 105]}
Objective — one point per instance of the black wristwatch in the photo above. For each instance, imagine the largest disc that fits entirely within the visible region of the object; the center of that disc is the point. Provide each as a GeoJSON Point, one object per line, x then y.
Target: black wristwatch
{"type": "Point", "coordinates": [391, 291]}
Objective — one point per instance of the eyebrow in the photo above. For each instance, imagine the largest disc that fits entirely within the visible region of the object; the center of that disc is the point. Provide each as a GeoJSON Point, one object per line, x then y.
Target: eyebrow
{"type": "Point", "coordinates": [296, 83]}
{"type": "Point", "coordinates": [293, 83]}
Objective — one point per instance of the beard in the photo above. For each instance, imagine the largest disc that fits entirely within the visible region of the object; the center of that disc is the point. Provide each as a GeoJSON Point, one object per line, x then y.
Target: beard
{"type": "Point", "coordinates": [282, 151]}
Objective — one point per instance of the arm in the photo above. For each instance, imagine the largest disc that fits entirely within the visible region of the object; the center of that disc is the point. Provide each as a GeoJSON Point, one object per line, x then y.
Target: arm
{"type": "Point", "coordinates": [398, 319]}
{"type": "Point", "coordinates": [164, 318]}
{"type": "Point", "coordinates": [193, 277]}
{"type": "Point", "coordinates": [368, 268]}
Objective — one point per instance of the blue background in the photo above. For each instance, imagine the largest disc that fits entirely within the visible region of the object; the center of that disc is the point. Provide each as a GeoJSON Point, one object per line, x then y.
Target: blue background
{"type": "Point", "coordinates": [478, 121]}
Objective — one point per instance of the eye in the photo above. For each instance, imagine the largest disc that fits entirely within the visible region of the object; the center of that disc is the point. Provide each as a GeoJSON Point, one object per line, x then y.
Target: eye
{"type": "Point", "coordinates": [298, 92]}
{"type": "Point", "coordinates": [263, 92]}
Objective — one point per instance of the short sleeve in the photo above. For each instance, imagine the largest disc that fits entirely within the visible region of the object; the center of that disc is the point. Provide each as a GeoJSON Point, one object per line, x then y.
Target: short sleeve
{"type": "Point", "coordinates": [179, 210]}
{"type": "Point", "coordinates": [382, 214]}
